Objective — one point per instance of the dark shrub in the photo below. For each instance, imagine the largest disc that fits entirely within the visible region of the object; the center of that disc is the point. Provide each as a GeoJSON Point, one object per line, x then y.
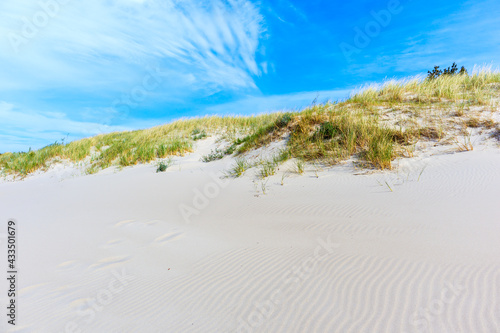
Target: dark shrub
{"type": "Point", "coordinates": [436, 72]}
{"type": "Point", "coordinates": [326, 131]}
{"type": "Point", "coordinates": [283, 120]}
{"type": "Point", "coordinates": [451, 70]}
{"type": "Point", "coordinates": [162, 167]}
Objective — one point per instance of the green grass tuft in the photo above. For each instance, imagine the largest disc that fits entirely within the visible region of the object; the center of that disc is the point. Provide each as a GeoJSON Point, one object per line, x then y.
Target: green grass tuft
{"type": "Point", "coordinates": [240, 167]}
{"type": "Point", "coordinates": [214, 155]}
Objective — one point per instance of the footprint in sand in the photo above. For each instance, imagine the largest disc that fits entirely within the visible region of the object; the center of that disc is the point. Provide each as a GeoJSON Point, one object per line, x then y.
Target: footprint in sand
{"type": "Point", "coordinates": [124, 223]}
{"type": "Point", "coordinates": [153, 222]}
{"type": "Point", "coordinates": [29, 291]}
{"type": "Point", "coordinates": [106, 262]}
{"type": "Point", "coordinates": [132, 222]}
{"type": "Point", "coordinates": [112, 243]}
{"type": "Point", "coordinates": [22, 329]}
{"type": "Point", "coordinates": [168, 237]}
{"type": "Point", "coordinates": [68, 265]}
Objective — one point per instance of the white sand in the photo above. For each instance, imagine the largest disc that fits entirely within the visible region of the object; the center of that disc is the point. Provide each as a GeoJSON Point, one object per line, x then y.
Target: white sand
{"type": "Point", "coordinates": [340, 253]}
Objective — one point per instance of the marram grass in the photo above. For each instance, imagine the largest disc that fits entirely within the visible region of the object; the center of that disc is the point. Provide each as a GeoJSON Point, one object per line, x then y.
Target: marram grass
{"type": "Point", "coordinates": [129, 148]}
{"type": "Point", "coordinates": [330, 133]}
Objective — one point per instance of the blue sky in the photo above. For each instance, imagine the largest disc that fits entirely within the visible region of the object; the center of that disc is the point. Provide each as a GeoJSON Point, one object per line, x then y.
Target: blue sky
{"type": "Point", "coordinates": [71, 69]}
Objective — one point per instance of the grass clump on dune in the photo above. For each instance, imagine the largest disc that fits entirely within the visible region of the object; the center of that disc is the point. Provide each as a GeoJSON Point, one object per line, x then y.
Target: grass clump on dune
{"type": "Point", "coordinates": [333, 132]}
{"type": "Point", "coordinates": [214, 155]}
{"type": "Point", "coordinates": [239, 168]}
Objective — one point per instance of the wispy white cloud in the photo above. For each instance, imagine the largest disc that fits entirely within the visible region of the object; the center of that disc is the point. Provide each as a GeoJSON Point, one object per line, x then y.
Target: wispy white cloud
{"type": "Point", "coordinates": [98, 43]}
{"type": "Point", "coordinates": [286, 12]}
{"type": "Point", "coordinates": [77, 58]}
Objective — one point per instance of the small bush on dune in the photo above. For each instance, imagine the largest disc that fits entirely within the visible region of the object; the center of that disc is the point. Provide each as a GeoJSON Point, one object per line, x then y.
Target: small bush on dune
{"type": "Point", "coordinates": [436, 72]}
{"type": "Point", "coordinates": [163, 165]}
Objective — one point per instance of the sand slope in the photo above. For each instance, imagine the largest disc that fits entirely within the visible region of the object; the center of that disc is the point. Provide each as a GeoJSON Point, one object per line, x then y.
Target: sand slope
{"type": "Point", "coordinates": [137, 251]}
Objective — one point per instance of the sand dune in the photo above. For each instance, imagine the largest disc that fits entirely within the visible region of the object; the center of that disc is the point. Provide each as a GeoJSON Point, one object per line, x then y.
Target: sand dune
{"type": "Point", "coordinates": [341, 252]}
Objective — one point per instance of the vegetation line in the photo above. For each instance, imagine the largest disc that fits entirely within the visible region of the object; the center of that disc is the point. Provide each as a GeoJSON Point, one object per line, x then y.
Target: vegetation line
{"type": "Point", "coordinates": [375, 126]}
